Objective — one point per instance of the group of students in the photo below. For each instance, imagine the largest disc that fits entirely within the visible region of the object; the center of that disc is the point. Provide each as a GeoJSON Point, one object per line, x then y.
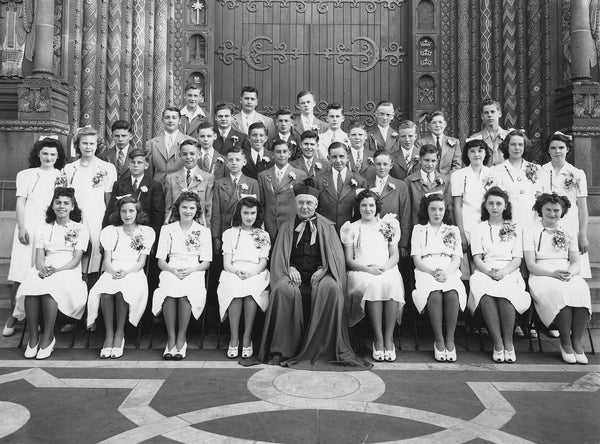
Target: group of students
{"type": "Point", "coordinates": [216, 202]}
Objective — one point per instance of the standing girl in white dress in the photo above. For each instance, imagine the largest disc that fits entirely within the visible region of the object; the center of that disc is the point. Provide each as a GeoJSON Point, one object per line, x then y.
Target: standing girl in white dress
{"type": "Point", "coordinates": [559, 176]}
{"type": "Point", "coordinates": [560, 294]}
{"type": "Point", "coordinates": [436, 251]}
{"type": "Point", "coordinates": [245, 278]}
{"type": "Point", "coordinates": [92, 179]}
{"type": "Point", "coordinates": [123, 285]}
{"type": "Point", "coordinates": [55, 282]}
{"type": "Point", "coordinates": [371, 250]}
{"type": "Point", "coordinates": [182, 288]}
{"type": "Point", "coordinates": [497, 284]}
{"type": "Point", "coordinates": [35, 187]}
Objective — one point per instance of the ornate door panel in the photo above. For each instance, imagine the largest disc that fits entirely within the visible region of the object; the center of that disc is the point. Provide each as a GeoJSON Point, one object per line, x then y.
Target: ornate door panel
{"type": "Point", "coordinates": [346, 51]}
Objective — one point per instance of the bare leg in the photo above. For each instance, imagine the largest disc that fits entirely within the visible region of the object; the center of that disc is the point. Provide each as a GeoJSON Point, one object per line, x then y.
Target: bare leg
{"type": "Point", "coordinates": [489, 309]}
{"type": "Point", "coordinates": [580, 320]}
{"type": "Point", "coordinates": [564, 320]}
{"type": "Point", "coordinates": [451, 308]}
{"type": "Point", "coordinates": [235, 312]}
{"type": "Point", "coordinates": [33, 307]}
{"type": "Point", "coordinates": [170, 314]}
{"type": "Point", "coordinates": [435, 311]}
{"type": "Point", "coordinates": [250, 308]}
{"type": "Point", "coordinates": [122, 309]}
{"type": "Point", "coordinates": [507, 318]}
{"type": "Point", "coordinates": [49, 310]}
{"type": "Point", "coordinates": [375, 309]}
{"type": "Point", "coordinates": [184, 311]}
{"type": "Point", "coordinates": [390, 313]}
{"type": "Point", "coordinates": [108, 312]}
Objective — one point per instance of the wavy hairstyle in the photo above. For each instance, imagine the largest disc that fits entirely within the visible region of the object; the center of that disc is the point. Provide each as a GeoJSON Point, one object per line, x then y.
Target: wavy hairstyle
{"type": "Point", "coordinates": [553, 198]}
{"type": "Point", "coordinates": [47, 142]}
{"type": "Point", "coordinates": [189, 196]}
{"type": "Point", "coordinates": [424, 207]}
{"type": "Point", "coordinates": [248, 202]}
{"type": "Point", "coordinates": [75, 215]}
{"type": "Point", "coordinates": [499, 192]}
{"type": "Point", "coordinates": [479, 144]}
{"type": "Point", "coordinates": [140, 218]}
{"type": "Point", "coordinates": [364, 194]}
{"type": "Point", "coordinates": [506, 142]}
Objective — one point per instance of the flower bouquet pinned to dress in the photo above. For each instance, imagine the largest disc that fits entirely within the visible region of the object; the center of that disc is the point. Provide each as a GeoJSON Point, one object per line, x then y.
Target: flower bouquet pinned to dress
{"type": "Point", "coordinates": [560, 240]}
{"type": "Point", "coordinates": [61, 181]}
{"type": "Point", "coordinates": [71, 236]}
{"type": "Point", "coordinates": [137, 240]}
{"type": "Point", "coordinates": [387, 226]}
{"type": "Point", "coordinates": [531, 171]}
{"type": "Point", "coordinates": [261, 238]}
{"type": "Point", "coordinates": [449, 237]}
{"type": "Point", "coordinates": [571, 182]}
{"type": "Point", "coordinates": [193, 242]}
{"type": "Point", "coordinates": [507, 231]}
{"type": "Point", "coordinates": [98, 178]}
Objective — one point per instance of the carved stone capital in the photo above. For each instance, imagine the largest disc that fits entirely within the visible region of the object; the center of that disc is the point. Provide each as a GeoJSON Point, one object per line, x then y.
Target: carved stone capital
{"type": "Point", "coordinates": [42, 98]}
{"type": "Point", "coordinates": [578, 109]}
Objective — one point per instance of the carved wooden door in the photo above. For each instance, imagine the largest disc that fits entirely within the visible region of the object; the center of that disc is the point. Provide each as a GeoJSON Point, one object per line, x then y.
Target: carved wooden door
{"type": "Point", "coordinates": [346, 51]}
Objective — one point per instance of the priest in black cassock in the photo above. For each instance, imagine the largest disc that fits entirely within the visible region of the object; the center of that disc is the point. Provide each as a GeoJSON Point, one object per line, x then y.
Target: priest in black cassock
{"type": "Point", "coordinates": [306, 324]}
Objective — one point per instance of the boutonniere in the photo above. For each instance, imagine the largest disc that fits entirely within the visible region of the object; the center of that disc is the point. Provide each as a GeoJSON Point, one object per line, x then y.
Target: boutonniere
{"type": "Point", "coordinates": [346, 142]}
{"type": "Point", "coordinates": [261, 238]}
{"type": "Point", "coordinates": [392, 187]}
{"type": "Point", "coordinates": [266, 159]}
{"type": "Point", "coordinates": [292, 175]}
{"type": "Point", "coordinates": [394, 134]}
{"type": "Point", "coordinates": [325, 183]}
{"type": "Point", "coordinates": [507, 231]}
{"type": "Point", "coordinates": [387, 227]}
{"type": "Point", "coordinates": [449, 237]}
{"type": "Point", "coordinates": [370, 160]}
{"type": "Point", "coordinates": [98, 178]}
{"type": "Point", "coordinates": [293, 142]}
{"type": "Point", "coordinates": [220, 160]}
{"type": "Point", "coordinates": [353, 183]}
{"type": "Point", "coordinates": [61, 181]}
{"type": "Point", "coordinates": [198, 177]}
{"type": "Point", "coordinates": [315, 129]}
{"type": "Point", "coordinates": [440, 181]}
{"type": "Point", "coordinates": [137, 241]}
{"type": "Point", "coordinates": [71, 236]}
{"type": "Point", "coordinates": [570, 181]}
{"type": "Point", "coordinates": [451, 142]}
{"type": "Point", "coordinates": [183, 190]}
{"type": "Point", "coordinates": [318, 165]}
{"type": "Point", "coordinates": [235, 139]}
{"type": "Point", "coordinates": [192, 241]}
{"type": "Point", "coordinates": [244, 187]}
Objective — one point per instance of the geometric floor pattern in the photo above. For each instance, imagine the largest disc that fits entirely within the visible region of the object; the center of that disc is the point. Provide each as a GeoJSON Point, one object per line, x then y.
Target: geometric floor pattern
{"type": "Point", "coordinates": [124, 401]}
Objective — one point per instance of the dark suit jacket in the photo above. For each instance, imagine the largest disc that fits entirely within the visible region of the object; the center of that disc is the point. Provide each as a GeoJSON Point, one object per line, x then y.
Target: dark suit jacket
{"type": "Point", "coordinates": [191, 128]}
{"type": "Point", "coordinates": [152, 200]}
{"type": "Point", "coordinates": [110, 155]}
{"type": "Point", "coordinates": [222, 146]}
{"type": "Point", "coordinates": [278, 200]}
{"type": "Point", "coordinates": [399, 168]}
{"type": "Point", "coordinates": [338, 210]}
{"type": "Point", "coordinates": [375, 140]}
{"type": "Point", "coordinates": [298, 126]}
{"type": "Point", "coordinates": [395, 199]}
{"type": "Point", "coordinates": [418, 189]}
{"type": "Point", "coordinates": [451, 155]}
{"type": "Point", "coordinates": [299, 164]}
{"type": "Point", "coordinates": [293, 144]}
{"type": "Point", "coordinates": [161, 161]}
{"type": "Point", "coordinates": [367, 169]}
{"type": "Point", "coordinates": [176, 183]}
{"type": "Point", "coordinates": [225, 198]}
{"type": "Point", "coordinates": [218, 165]}
{"type": "Point", "coordinates": [251, 169]}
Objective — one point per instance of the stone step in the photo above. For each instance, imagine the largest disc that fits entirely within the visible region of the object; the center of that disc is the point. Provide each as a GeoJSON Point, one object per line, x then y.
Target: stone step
{"type": "Point", "coordinates": [595, 270]}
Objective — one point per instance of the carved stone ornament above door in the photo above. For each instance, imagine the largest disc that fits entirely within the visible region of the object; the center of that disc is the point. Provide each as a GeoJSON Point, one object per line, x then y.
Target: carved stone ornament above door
{"type": "Point", "coordinates": [322, 5]}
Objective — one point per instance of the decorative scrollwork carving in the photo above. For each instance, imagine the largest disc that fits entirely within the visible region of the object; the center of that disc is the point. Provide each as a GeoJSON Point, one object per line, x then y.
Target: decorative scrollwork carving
{"type": "Point", "coordinates": [353, 113]}
{"type": "Point", "coordinates": [322, 5]}
{"type": "Point", "coordinates": [367, 53]}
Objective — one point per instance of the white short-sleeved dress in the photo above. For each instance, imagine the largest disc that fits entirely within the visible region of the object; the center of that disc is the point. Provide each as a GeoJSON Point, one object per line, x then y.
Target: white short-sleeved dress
{"type": "Point", "coordinates": [550, 294]}
{"type": "Point", "coordinates": [245, 255]}
{"type": "Point", "coordinates": [37, 187]}
{"type": "Point", "coordinates": [498, 245]}
{"type": "Point", "coordinates": [521, 186]}
{"type": "Point", "coordinates": [65, 287]}
{"type": "Point", "coordinates": [183, 249]}
{"type": "Point", "coordinates": [90, 183]}
{"type": "Point", "coordinates": [370, 247]}
{"type": "Point", "coordinates": [570, 182]}
{"type": "Point", "coordinates": [126, 251]}
{"type": "Point", "coordinates": [436, 246]}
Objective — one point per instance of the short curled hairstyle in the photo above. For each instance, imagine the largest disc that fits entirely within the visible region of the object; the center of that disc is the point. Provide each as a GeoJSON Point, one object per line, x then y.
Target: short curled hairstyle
{"type": "Point", "coordinates": [86, 131]}
{"type": "Point", "coordinates": [140, 218]}
{"type": "Point", "coordinates": [560, 137]}
{"type": "Point", "coordinates": [365, 194]}
{"type": "Point", "coordinates": [506, 142]}
{"type": "Point", "coordinates": [499, 192]}
{"type": "Point", "coordinates": [479, 144]}
{"type": "Point", "coordinates": [47, 142]}
{"type": "Point", "coordinates": [248, 202]}
{"type": "Point", "coordinates": [186, 196]}
{"type": "Point", "coordinates": [424, 207]}
{"type": "Point", "coordinates": [309, 134]}
{"type": "Point", "coordinates": [553, 198]}
{"type": "Point", "coordinates": [75, 215]}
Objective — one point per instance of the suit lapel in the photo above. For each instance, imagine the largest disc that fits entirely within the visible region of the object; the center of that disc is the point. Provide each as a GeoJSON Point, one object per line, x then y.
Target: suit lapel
{"type": "Point", "coordinates": [181, 179]}
{"type": "Point", "coordinates": [330, 185]}
{"type": "Point", "coordinates": [347, 186]}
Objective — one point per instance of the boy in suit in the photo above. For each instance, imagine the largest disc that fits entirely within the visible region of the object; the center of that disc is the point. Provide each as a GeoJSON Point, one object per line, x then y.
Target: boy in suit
{"type": "Point", "coordinates": [405, 160]}
{"type": "Point", "coordinates": [118, 153]}
{"type": "Point", "coordinates": [276, 188]}
{"type": "Point", "coordinates": [258, 158]}
{"type": "Point", "coordinates": [285, 132]}
{"type": "Point", "coordinates": [210, 160]}
{"type": "Point", "coordinates": [227, 137]}
{"type": "Point", "coordinates": [190, 178]}
{"type": "Point", "coordinates": [361, 159]}
{"type": "Point", "coordinates": [191, 114]}
{"type": "Point", "coordinates": [383, 136]}
{"type": "Point", "coordinates": [136, 183]}
{"type": "Point", "coordinates": [307, 161]}
{"type": "Point", "coordinates": [164, 150]}
{"type": "Point", "coordinates": [338, 187]}
{"type": "Point", "coordinates": [244, 119]}
{"type": "Point", "coordinates": [447, 147]}
{"type": "Point", "coordinates": [305, 103]}
{"type": "Point", "coordinates": [334, 133]}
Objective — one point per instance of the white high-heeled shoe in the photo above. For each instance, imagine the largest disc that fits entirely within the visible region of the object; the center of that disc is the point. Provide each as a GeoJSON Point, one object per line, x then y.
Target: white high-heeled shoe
{"type": "Point", "coordinates": [117, 352]}
{"type": "Point", "coordinates": [31, 352]}
{"type": "Point", "coordinates": [44, 353]}
{"type": "Point", "coordinates": [439, 355]}
{"type": "Point", "coordinates": [569, 358]}
{"type": "Point", "coordinates": [498, 355]}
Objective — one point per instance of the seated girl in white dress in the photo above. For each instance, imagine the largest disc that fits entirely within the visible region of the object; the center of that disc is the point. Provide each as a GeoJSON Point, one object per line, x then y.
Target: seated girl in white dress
{"type": "Point", "coordinates": [182, 288]}
{"type": "Point", "coordinates": [552, 256]}
{"type": "Point", "coordinates": [436, 251]}
{"type": "Point", "coordinates": [497, 285]}
{"type": "Point", "coordinates": [245, 278]}
{"type": "Point", "coordinates": [371, 249]}
{"type": "Point", "coordinates": [123, 286]}
{"type": "Point", "coordinates": [55, 282]}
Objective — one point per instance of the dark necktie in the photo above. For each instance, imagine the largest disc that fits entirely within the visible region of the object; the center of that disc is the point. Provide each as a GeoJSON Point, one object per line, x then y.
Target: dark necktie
{"type": "Point", "coordinates": [121, 160]}
{"type": "Point", "coordinates": [339, 184]}
{"type": "Point", "coordinates": [258, 159]}
{"type": "Point", "coordinates": [438, 145]}
{"type": "Point", "coordinates": [135, 185]}
{"type": "Point", "coordinates": [188, 178]}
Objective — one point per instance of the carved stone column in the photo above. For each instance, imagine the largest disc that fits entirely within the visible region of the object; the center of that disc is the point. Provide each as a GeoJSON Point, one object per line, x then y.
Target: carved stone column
{"type": "Point", "coordinates": [43, 64]}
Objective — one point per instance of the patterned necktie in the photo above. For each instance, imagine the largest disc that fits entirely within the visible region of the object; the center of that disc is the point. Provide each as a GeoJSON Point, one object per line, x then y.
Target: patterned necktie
{"type": "Point", "coordinates": [206, 162]}
{"type": "Point", "coordinates": [380, 186]}
{"type": "Point", "coordinates": [407, 158]}
{"type": "Point", "coordinates": [121, 160]}
{"type": "Point", "coordinates": [358, 161]}
{"type": "Point", "coordinates": [136, 183]}
{"type": "Point", "coordinates": [429, 181]}
{"type": "Point", "coordinates": [339, 184]}
{"type": "Point", "coordinates": [188, 178]}
{"type": "Point", "coordinates": [308, 164]}
{"type": "Point", "coordinates": [279, 176]}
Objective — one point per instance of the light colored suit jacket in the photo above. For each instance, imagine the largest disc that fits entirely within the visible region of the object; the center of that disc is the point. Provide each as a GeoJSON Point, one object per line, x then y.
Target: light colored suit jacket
{"type": "Point", "coordinates": [225, 199]}
{"type": "Point", "coordinates": [450, 157]}
{"type": "Point", "coordinates": [317, 123]}
{"type": "Point", "coordinates": [317, 166]}
{"type": "Point", "coordinates": [238, 123]}
{"type": "Point", "coordinates": [202, 184]}
{"type": "Point", "coordinates": [162, 161]}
